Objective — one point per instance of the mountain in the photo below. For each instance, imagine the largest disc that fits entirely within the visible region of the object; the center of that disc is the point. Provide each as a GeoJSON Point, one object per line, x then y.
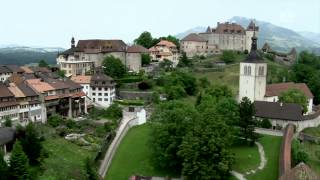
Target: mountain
{"type": "Point", "coordinates": [279, 38]}
{"type": "Point", "coordinates": [315, 37]}
{"type": "Point", "coordinates": [193, 30]}
{"type": "Point", "coordinates": [21, 55]}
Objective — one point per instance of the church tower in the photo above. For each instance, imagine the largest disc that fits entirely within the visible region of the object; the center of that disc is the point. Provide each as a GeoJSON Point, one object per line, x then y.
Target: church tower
{"type": "Point", "coordinates": [250, 31]}
{"type": "Point", "coordinates": [253, 75]}
{"type": "Point", "coordinates": [73, 43]}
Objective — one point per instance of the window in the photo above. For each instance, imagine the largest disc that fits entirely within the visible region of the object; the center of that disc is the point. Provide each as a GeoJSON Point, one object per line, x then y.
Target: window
{"type": "Point", "coordinates": [93, 94]}
{"type": "Point", "coordinates": [93, 88]}
{"type": "Point", "coordinates": [99, 99]}
{"type": "Point", "coordinates": [261, 71]}
{"type": "Point", "coordinates": [100, 94]}
{"type": "Point", "coordinates": [245, 70]}
{"type": "Point", "coordinates": [105, 99]}
{"type": "Point", "coordinates": [94, 99]}
{"type": "Point", "coordinates": [249, 70]}
{"type": "Point", "coordinates": [105, 94]}
{"type": "Point", "coordinates": [99, 88]}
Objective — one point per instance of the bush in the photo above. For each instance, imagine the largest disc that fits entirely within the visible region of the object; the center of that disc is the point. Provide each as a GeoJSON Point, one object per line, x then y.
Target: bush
{"type": "Point", "coordinates": [55, 120]}
{"type": "Point", "coordinates": [175, 92]}
{"type": "Point", "coordinates": [145, 59]}
{"type": "Point", "coordinates": [113, 112]}
{"type": "Point", "coordinates": [228, 56]}
{"type": "Point", "coordinates": [298, 154]}
{"type": "Point", "coordinates": [8, 122]}
{"type": "Point", "coordinates": [270, 56]}
{"type": "Point", "coordinates": [155, 97]}
{"type": "Point", "coordinates": [265, 123]}
{"type": "Point", "coordinates": [202, 57]}
{"type": "Point", "coordinates": [144, 85]}
{"type": "Point", "coordinates": [246, 51]}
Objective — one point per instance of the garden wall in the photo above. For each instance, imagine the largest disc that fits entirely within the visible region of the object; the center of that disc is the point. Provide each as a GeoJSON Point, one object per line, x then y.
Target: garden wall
{"type": "Point", "coordinates": [132, 95]}
{"type": "Point", "coordinates": [285, 150]}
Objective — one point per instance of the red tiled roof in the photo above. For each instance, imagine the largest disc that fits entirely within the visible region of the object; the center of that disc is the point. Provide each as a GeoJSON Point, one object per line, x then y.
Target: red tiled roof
{"type": "Point", "coordinates": [166, 43]}
{"type": "Point", "coordinates": [81, 79]}
{"type": "Point", "coordinates": [277, 89]}
{"type": "Point", "coordinates": [78, 94]}
{"type": "Point", "coordinates": [193, 37]}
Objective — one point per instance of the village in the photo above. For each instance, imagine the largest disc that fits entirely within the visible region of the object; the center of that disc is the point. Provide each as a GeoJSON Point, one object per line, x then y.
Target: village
{"type": "Point", "coordinates": [111, 110]}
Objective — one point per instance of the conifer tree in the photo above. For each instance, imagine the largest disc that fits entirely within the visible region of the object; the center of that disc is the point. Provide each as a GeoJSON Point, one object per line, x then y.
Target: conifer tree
{"type": "Point", "coordinates": [4, 173]}
{"type": "Point", "coordinates": [18, 163]}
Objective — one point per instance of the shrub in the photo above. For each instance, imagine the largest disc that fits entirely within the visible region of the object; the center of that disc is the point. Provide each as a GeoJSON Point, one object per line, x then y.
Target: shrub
{"type": "Point", "coordinates": [144, 85]}
{"type": "Point", "coordinates": [202, 57]}
{"type": "Point", "coordinates": [55, 120]}
{"type": "Point", "coordinates": [246, 51]}
{"type": "Point", "coordinates": [265, 123]}
{"type": "Point", "coordinates": [113, 112]}
{"type": "Point", "coordinates": [228, 56]}
{"type": "Point", "coordinates": [298, 154]}
{"type": "Point", "coordinates": [8, 122]}
{"type": "Point", "coordinates": [175, 92]}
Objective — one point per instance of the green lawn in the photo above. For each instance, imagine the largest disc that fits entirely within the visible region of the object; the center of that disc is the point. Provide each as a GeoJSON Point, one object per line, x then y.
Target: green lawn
{"type": "Point", "coordinates": [313, 131]}
{"type": "Point", "coordinates": [314, 161]}
{"type": "Point", "coordinates": [246, 158]}
{"type": "Point", "coordinates": [65, 160]}
{"type": "Point", "coordinates": [271, 145]}
{"type": "Point", "coordinates": [133, 156]}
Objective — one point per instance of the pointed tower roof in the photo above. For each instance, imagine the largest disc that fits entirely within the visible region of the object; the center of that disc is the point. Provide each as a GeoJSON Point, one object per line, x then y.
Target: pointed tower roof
{"type": "Point", "coordinates": [73, 42]}
{"type": "Point", "coordinates": [252, 26]}
{"type": "Point", "coordinates": [254, 56]}
{"type": "Point", "coordinates": [209, 29]}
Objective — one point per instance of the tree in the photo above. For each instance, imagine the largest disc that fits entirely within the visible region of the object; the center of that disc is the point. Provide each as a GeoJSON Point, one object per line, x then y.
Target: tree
{"type": "Point", "coordinates": [175, 92]}
{"type": "Point", "coordinates": [294, 96]}
{"type": "Point", "coordinates": [114, 67]}
{"type": "Point", "coordinates": [113, 112]}
{"type": "Point", "coordinates": [207, 142]}
{"type": "Point", "coordinates": [7, 122]}
{"type": "Point", "coordinates": [204, 82]}
{"type": "Point", "coordinates": [184, 61]}
{"type": "Point", "coordinates": [170, 122]}
{"type": "Point", "coordinates": [145, 59]}
{"type": "Point", "coordinates": [18, 163]}
{"type": "Point", "coordinates": [4, 169]}
{"type": "Point", "coordinates": [55, 120]}
{"type": "Point", "coordinates": [219, 91]}
{"type": "Point", "coordinates": [298, 154]}
{"type": "Point", "coordinates": [265, 123]}
{"type": "Point", "coordinates": [31, 144]}
{"type": "Point", "coordinates": [247, 122]}
{"type": "Point", "coordinates": [43, 63]}
{"type": "Point", "coordinates": [166, 64]}
{"type": "Point", "coordinates": [61, 73]}
{"type": "Point", "coordinates": [145, 39]}
{"type": "Point", "coordinates": [228, 56]}
{"type": "Point", "coordinates": [91, 173]}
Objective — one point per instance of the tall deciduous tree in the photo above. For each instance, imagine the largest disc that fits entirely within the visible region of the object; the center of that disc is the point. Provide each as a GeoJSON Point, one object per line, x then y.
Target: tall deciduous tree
{"type": "Point", "coordinates": [294, 96]}
{"type": "Point", "coordinates": [114, 67]}
{"type": "Point", "coordinates": [170, 122]}
{"type": "Point", "coordinates": [207, 142]}
{"type": "Point", "coordinates": [18, 163]}
{"type": "Point", "coordinates": [247, 122]}
{"type": "Point", "coordinates": [31, 144]}
{"type": "Point", "coordinates": [145, 59]}
{"type": "Point", "coordinates": [145, 39]}
{"type": "Point", "coordinates": [184, 61]}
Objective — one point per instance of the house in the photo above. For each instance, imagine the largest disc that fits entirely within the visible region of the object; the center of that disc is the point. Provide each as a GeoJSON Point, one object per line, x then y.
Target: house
{"type": "Point", "coordinates": [165, 50]}
{"type": "Point", "coordinates": [230, 36]}
{"type": "Point", "coordinates": [5, 73]}
{"type": "Point", "coordinates": [273, 91]}
{"type": "Point", "coordinates": [81, 59]}
{"type": "Point", "coordinates": [134, 54]}
{"type": "Point", "coordinates": [9, 107]}
{"type": "Point", "coordinates": [194, 45]}
{"type": "Point", "coordinates": [99, 89]}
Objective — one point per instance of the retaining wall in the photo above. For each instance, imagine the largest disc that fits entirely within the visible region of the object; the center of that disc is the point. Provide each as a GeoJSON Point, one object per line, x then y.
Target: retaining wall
{"type": "Point", "coordinates": [285, 150]}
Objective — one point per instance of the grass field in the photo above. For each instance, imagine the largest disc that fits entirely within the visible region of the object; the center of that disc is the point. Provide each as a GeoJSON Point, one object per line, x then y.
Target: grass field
{"type": "Point", "coordinates": [271, 145]}
{"type": "Point", "coordinates": [312, 131]}
{"type": "Point", "coordinates": [65, 160]}
{"type": "Point", "coordinates": [312, 150]}
{"type": "Point", "coordinates": [247, 154]}
{"type": "Point", "coordinates": [133, 157]}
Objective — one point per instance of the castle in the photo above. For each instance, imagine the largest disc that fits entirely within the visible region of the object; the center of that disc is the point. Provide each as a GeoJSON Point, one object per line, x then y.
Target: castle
{"type": "Point", "coordinates": [226, 36]}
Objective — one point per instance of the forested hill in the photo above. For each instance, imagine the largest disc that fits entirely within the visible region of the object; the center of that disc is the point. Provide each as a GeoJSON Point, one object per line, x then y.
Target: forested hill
{"type": "Point", "coordinates": [24, 55]}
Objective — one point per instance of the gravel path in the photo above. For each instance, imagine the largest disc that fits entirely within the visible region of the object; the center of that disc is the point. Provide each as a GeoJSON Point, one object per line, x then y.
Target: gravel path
{"type": "Point", "coordinates": [263, 162]}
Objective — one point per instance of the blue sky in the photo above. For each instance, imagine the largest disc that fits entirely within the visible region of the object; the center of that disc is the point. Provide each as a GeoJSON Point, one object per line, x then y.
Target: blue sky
{"type": "Point", "coordinates": [52, 23]}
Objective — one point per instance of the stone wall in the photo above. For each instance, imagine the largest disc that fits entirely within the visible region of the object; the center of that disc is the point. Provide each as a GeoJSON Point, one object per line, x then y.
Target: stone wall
{"type": "Point", "coordinates": [147, 95]}
{"type": "Point", "coordinates": [285, 150]}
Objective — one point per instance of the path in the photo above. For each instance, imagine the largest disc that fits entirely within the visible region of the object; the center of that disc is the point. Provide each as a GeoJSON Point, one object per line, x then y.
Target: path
{"type": "Point", "coordinates": [263, 162]}
{"type": "Point", "coordinates": [123, 128]}
{"type": "Point", "coordinates": [268, 132]}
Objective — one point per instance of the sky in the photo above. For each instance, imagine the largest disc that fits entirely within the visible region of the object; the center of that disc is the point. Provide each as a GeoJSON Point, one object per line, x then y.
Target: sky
{"type": "Point", "coordinates": [52, 23]}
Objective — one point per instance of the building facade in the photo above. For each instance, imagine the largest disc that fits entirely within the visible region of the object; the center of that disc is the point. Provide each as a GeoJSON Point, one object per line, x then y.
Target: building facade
{"type": "Point", "coordinates": [230, 36]}
{"type": "Point", "coordinates": [81, 59]}
{"type": "Point", "coordinates": [99, 89]}
{"type": "Point", "coordinates": [165, 50]}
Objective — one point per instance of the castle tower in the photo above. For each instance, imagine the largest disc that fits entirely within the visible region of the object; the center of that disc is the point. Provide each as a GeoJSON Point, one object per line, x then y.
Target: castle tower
{"type": "Point", "coordinates": [253, 75]}
{"type": "Point", "coordinates": [73, 43]}
{"type": "Point", "coordinates": [251, 29]}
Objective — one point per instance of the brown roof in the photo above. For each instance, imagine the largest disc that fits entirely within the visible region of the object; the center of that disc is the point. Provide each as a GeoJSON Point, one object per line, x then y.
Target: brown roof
{"type": "Point", "coordinates": [4, 69]}
{"type": "Point", "coordinates": [229, 28]}
{"type": "Point", "coordinates": [276, 110]}
{"type": "Point", "coordinates": [4, 91]}
{"type": "Point", "coordinates": [194, 37]}
{"type": "Point", "coordinates": [39, 85]}
{"type": "Point", "coordinates": [101, 80]}
{"type": "Point", "coordinates": [153, 49]}
{"type": "Point", "coordinates": [15, 90]}
{"type": "Point", "coordinates": [81, 79]}
{"type": "Point", "coordinates": [277, 89]}
{"type": "Point", "coordinates": [26, 69]}
{"type": "Point", "coordinates": [15, 68]}
{"type": "Point", "coordinates": [16, 78]}
{"type": "Point", "coordinates": [100, 45]}
{"type": "Point", "coordinates": [137, 49]}
{"type": "Point", "coordinates": [166, 43]}
{"type": "Point", "coordinates": [300, 172]}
